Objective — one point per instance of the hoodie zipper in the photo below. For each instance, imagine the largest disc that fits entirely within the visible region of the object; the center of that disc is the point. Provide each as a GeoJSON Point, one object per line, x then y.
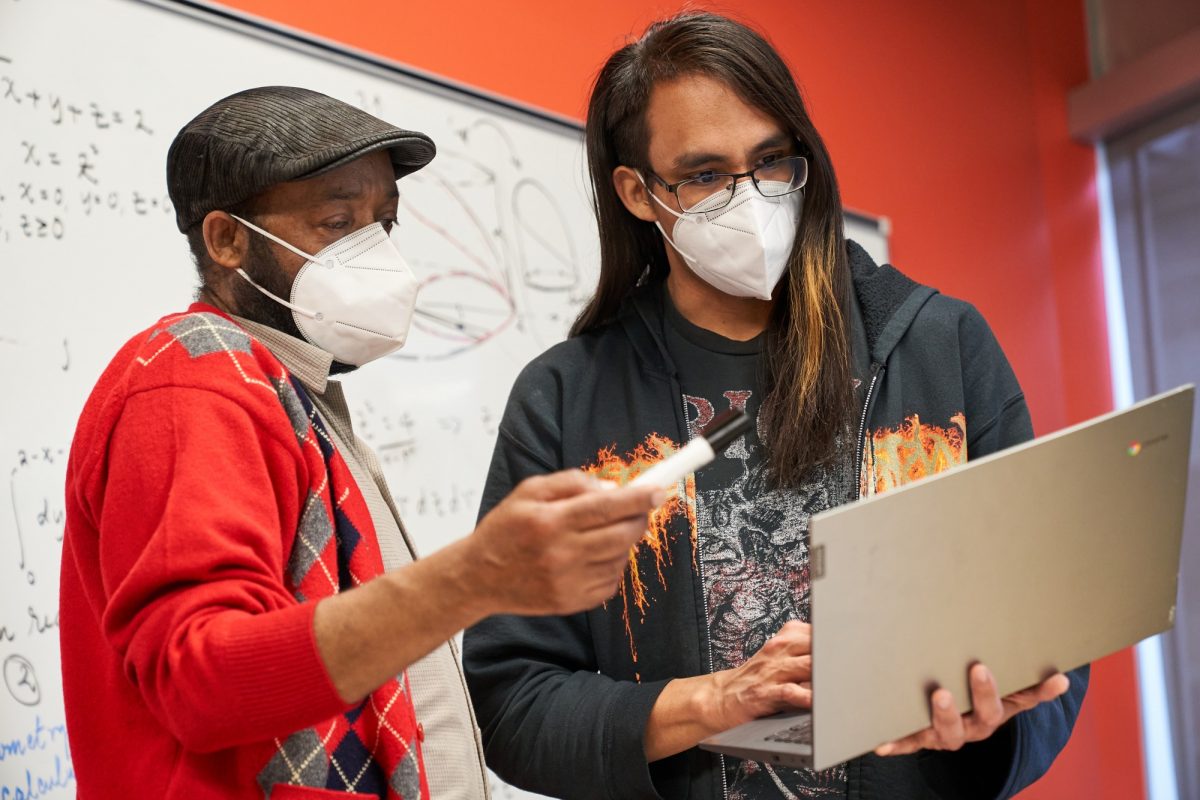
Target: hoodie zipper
{"type": "Point", "coordinates": [860, 443]}
{"type": "Point", "coordinates": [707, 622]}
{"type": "Point", "coordinates": [876, 369]}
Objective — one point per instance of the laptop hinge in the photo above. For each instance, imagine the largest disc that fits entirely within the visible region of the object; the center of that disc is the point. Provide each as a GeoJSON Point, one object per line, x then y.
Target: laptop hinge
{"type": "Point", "coordinates": [816, 561]}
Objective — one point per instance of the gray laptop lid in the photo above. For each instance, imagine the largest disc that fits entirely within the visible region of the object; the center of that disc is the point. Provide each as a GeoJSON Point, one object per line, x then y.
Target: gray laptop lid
{"type": "Point", "coordinates": [1056, 552]}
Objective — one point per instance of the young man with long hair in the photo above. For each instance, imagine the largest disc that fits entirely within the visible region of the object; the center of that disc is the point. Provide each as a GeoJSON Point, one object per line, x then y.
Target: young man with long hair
{"type": "Point", "coordinates": [726, 282]}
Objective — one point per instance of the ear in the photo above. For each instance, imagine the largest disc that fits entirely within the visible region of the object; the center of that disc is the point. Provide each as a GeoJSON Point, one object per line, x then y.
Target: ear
{"type": "Point", "coordinates": [633, 193]}
{"type": "Point", "coordinates": [226, 239]}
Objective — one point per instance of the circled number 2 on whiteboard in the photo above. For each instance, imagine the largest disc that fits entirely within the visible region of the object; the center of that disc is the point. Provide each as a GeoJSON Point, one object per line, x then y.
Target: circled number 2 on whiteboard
{"type": "Point", "coordinates": [21, 681]}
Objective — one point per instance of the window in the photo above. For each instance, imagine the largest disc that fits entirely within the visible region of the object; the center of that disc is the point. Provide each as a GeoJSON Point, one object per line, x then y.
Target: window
{"type": "Point", "coordinates": [1155, 175]}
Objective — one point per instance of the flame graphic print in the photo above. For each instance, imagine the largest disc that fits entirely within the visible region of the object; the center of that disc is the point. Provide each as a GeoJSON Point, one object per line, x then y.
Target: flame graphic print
{"type": "Point", "coordinates": [622, 469]}
{"type": "Point", "coordinates": [911, 451]}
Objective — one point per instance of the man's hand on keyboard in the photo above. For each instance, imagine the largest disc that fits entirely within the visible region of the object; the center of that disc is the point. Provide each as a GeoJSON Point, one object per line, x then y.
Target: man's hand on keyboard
{"type": "Point", "coordinates": [776, 678]}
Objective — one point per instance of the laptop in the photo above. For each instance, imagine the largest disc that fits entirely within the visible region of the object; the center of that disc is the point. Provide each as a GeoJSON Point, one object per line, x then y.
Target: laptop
{"type": "Point", "coordinates": [1035, 560]}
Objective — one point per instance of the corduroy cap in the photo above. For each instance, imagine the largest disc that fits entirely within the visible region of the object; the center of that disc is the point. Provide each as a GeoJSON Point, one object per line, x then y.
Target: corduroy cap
{"type": "Point", "coordinates": [254, 139]}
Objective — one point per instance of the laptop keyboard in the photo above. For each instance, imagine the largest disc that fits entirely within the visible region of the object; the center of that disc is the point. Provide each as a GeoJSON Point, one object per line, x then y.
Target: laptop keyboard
{"type": "Point", "coordinates": [797, 734]}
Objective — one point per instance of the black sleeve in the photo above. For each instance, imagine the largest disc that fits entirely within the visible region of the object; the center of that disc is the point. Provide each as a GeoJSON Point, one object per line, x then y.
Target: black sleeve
{"type": "Point", "coordinates": [995, 403]}
{"type": "Point", "coordinates": [1024, 748]}
{"type": "Point", "coordinates": [550, 722]}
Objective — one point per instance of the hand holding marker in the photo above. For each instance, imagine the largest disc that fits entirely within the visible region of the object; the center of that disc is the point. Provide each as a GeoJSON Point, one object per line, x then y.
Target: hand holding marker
{"type": "Point", "coordinates": [699, 451]}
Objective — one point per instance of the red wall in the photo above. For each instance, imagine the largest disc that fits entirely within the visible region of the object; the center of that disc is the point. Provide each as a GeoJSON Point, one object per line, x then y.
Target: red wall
{"type": "Point", "coordinates": [948, 118]}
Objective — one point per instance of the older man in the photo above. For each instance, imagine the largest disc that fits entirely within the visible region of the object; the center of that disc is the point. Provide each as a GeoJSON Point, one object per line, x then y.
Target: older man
{"type": "Point", "coordinates": [242, 614]}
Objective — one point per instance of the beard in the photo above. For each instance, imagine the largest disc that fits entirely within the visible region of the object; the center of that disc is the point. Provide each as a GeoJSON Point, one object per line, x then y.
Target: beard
{"type": "Point", "coordinates": [264, 269]}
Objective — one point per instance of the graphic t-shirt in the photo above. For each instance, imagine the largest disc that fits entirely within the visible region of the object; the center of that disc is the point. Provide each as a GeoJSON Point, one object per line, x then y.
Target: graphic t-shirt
{"type": "Point", "coordinates": [752, 538]}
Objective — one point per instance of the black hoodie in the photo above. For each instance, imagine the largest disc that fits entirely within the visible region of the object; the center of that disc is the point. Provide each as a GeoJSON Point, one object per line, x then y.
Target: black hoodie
{"type": "Point", "coordinates": [563, 701]}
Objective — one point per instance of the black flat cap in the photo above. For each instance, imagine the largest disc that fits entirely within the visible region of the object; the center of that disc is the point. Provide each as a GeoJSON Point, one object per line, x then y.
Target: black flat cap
{"type": "Point", "coordinates": [254, 139]}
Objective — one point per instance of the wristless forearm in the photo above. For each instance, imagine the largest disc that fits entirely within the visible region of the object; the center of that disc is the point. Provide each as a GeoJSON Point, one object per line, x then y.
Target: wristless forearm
{"type": "Point", "coordinates": [686, 712]}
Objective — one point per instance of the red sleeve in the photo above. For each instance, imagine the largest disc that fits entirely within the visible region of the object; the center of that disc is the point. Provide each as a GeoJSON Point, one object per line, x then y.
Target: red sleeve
{"type": "Point", "coordinates": [200, 505]}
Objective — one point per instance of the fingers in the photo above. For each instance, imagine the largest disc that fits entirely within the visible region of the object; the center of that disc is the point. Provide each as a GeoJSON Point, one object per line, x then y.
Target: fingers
{"type": "Point", "coordinates": [1054, 686]}
{"type": "Point", "coordinates": [784, 669]}
{"type": "Point", "coordinates": [799, 643]}
{"type": "Point", "coordinates": [596, 509]}
{"type": "Point", "coordinates": [612, 542]}
{"type": "Point", "coordinates": [1049, 689]}
{"type": "Point", "coordinates": [950, 730]}
{"type": "Point", "coordinates": [561, 542]}
{"type": "Point", "coordinates": [798, 635]}
{"type": "Point", "coordinates": [793, 695]}
{"type": "Point", "coordinates": [924, 740]}
{"type": "Point", "coordinates": [795, 627]}
{"type": "Point", "coordinates": [559, 485]}
{"type": "Point", "coordinates": [600, 592]}
{"type": "Point", "coordinates": [987, 712]}
{"type": "Point", "coordinates": [794, 638]}
{"type": "Point", "coordinates": [799, 668]}
{"type": "Point", "coordinates": [947, 732]}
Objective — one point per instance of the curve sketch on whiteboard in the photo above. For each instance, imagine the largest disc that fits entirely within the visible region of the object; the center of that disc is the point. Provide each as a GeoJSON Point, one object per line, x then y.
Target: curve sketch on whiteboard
{"type": "Point", "coordinates": [491, 246]}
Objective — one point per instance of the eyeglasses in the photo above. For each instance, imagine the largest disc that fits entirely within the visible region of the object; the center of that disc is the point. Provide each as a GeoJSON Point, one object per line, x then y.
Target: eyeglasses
{"type": "Point", "coordinates": [712, 191]}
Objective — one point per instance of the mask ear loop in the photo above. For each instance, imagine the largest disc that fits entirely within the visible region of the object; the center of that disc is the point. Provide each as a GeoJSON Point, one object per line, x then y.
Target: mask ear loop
{"type": "Point", "coordinates": [657, 224]}
{"type": "Point", "coordinates": [304, 312]}
{"type": "Point", "coordinates": [282, 243]}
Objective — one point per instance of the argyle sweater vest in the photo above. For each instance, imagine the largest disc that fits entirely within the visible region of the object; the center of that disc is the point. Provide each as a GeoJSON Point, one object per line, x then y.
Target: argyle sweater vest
{"type": "Point", "coordinates": [372, 749]}
{"type": "Point", "coordinates": [208, 512]}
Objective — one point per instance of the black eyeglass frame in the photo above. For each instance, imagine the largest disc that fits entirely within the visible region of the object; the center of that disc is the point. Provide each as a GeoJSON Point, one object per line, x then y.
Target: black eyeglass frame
{"type": "Point", "coordinates": [673, 188]}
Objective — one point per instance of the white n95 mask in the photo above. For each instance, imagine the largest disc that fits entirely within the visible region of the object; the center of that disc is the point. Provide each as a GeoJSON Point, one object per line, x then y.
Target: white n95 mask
{"type": "Point", "coordinates": [355, 299]}
{"type": "Point", "coordinates": [741, 248]}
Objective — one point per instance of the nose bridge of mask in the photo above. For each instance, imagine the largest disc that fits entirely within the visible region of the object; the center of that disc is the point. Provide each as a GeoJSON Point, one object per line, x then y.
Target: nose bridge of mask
{"type": "Point", "coordinates": [739, 196]}
{"type": "Point", "coordinates": [369, 247]}
{"type": "Point", "coordinates": [743, 191]}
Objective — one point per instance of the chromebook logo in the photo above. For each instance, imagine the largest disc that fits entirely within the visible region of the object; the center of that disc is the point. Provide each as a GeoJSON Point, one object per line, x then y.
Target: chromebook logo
{"type": "Point", "coordinates": [1137, 447]}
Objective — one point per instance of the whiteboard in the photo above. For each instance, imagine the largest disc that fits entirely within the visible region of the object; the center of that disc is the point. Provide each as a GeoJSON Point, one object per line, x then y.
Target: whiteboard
{"type": "Point", "coordinates": [498, 228]}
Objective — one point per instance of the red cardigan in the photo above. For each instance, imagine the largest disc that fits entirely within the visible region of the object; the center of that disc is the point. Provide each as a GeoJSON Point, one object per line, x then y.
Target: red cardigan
{"type": "Point", "coordinates": [184, 656]}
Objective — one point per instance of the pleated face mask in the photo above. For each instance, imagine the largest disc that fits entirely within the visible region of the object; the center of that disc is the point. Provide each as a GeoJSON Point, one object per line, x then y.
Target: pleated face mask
{"type": "Point", "coordinates": [741, 248]}
{"type": "Point", "coordinates": [355, 299]}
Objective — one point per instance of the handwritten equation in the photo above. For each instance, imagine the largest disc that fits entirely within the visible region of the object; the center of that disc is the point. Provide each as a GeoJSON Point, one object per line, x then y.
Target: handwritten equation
{"type": "Point", "coordinates": [34, 759]}
{"type": "Point", "coordinates": [405, 441]}
{"type": "Point", "coordinates": [29, 624]}
{"type": "Point", "coordinates": [35, 482]}
{"type": "Point", "coordinates": [453, 500]}
{"type": "Point", "coordinates": [67, 161]}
